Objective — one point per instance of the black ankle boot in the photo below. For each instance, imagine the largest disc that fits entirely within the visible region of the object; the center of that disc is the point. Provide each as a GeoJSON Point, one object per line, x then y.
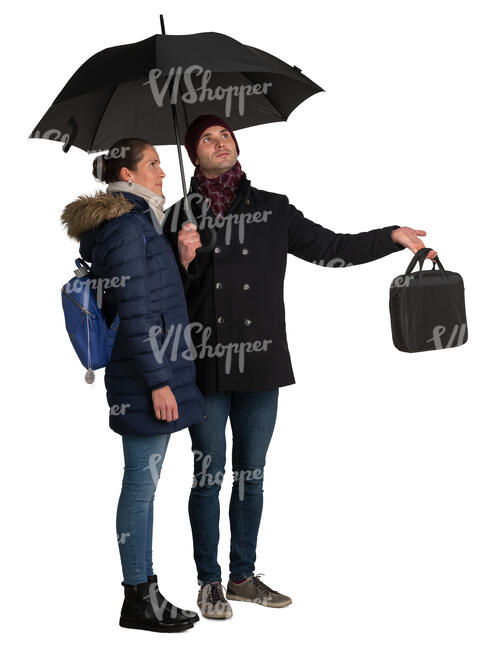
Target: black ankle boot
{"type": "Point", "coordinates": [142, 611]}
{"type": "Point", "coordinates": [179, 615]}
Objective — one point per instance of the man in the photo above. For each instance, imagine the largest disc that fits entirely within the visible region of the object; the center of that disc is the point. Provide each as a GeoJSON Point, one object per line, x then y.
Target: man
{"type": "Point", "coordinates": [234, 292]}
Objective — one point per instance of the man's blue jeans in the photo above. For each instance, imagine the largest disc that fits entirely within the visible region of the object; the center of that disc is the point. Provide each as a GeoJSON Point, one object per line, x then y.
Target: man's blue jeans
{"type": "Point", "coordinates": [252, 415]}
{"type": "Point", "coordinates": [135, 515]}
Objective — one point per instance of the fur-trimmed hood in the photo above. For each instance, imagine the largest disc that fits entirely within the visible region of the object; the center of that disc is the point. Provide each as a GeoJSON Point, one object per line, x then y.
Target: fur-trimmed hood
{"type": "Point", "coordinates": [87, 212]}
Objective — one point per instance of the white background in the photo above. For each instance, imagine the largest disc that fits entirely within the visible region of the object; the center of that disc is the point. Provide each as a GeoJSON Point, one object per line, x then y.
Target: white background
{"type": "Point", "coordinates": [377, 487]}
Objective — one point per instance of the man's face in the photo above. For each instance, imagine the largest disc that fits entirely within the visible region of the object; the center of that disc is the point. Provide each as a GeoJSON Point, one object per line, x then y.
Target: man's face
{"type": "Point", "coordinates": [216, 152]}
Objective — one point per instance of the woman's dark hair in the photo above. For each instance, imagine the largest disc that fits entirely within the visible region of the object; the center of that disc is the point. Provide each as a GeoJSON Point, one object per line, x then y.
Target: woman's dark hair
{"type": "Point", "coordinates": [127, 152]}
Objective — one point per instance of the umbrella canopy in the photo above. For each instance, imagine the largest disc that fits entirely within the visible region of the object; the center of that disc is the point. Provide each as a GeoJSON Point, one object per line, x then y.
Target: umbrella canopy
{"type": "Point", "coordinates": [133, 91]}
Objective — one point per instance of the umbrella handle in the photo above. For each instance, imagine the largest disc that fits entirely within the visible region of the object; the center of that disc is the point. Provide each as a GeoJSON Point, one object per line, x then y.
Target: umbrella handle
{"type": "Point", "coordinates": [213, 238]}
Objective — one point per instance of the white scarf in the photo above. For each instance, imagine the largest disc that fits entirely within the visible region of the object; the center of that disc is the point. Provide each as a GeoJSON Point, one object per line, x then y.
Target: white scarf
{"type": "Point", "coordinates": [155, 201]}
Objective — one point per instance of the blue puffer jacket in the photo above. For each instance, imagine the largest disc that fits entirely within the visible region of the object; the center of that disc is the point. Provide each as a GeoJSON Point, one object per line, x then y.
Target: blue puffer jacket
{"type": "Point", "coordinates": [137, 271]}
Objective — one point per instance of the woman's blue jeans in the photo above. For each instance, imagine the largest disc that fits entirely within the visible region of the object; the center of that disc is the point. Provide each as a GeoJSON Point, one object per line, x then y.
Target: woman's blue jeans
{"type": "Point", "coordinates": [135, 515]}
{"type": "Point", "coordinates": [252, 415]}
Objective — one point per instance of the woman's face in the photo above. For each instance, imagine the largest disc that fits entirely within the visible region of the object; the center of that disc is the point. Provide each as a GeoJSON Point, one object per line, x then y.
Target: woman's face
{"type": "Point", "coordinates": [148, 172]}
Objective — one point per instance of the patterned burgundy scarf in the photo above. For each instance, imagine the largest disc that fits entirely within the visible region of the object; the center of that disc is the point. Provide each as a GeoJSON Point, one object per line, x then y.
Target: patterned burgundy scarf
{"type": "Point", "coordinates": [221, 190]}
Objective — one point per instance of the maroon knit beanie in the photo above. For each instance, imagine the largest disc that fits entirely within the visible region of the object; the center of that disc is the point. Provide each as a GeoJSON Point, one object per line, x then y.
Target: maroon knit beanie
{"type": "Point", "coordinates": [197, 127]}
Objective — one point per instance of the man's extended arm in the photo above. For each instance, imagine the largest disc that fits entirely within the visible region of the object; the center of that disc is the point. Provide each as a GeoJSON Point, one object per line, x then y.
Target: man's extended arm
{"type": "Point", "coordinates": [312, 242]}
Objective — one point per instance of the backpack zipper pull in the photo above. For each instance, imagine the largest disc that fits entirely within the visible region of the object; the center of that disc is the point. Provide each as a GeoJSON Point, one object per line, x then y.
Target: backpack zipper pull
{"type": "Point", "coordinates": [89, 375]}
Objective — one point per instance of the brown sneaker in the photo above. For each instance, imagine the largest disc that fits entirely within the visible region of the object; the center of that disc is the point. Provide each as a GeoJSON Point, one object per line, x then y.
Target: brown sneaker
{"type": "Point", "coordinates": [212, 603]}
{"type": "Point", "coordinates": [253, 590]}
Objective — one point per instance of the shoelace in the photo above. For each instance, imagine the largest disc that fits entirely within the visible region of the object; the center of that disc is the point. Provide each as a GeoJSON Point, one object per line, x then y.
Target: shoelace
{"type": "Point", "coordinates": [261, 585]}
{"type": "Point", "coordinates": [215, 594]}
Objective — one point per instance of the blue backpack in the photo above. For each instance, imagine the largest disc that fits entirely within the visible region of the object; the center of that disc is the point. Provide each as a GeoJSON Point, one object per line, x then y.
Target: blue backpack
{"type": "Point", "coordinates": [92, 339]}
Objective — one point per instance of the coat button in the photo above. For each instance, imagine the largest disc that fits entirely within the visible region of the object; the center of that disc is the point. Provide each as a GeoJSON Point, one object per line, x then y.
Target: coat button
{"type": "Point", "coordinates": [220, 319]}
{"type": "Point", "coordinates": [245, 251]}
{"type": "Point", "coordinates": [246, 286]}
{"type": "Point", "coordinates": [218, 285]}
{"type": "Point", "coordinates": [217, 249]}
{"type": "Point", "coordinates": [247, 321]}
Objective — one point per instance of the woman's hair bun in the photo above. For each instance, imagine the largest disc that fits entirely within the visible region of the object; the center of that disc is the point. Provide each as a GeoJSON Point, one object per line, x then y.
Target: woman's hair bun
{"type": "Point", "coordinates": [124, 153]}
{"type": "Point", "coordinates": [99, 168]}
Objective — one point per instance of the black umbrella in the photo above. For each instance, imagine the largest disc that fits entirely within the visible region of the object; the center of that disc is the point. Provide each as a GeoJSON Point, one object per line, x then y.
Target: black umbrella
{"type": "Point", "coordinates": [155, 88]}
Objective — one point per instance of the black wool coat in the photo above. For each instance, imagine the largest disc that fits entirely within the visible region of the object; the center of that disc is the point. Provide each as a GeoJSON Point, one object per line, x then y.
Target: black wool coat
{"type": "Point", "coordinates": [234, 287]}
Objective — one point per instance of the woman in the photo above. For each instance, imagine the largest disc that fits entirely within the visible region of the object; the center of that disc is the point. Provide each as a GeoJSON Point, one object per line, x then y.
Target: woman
{"type": "Point", "coordinates": [150, 379]}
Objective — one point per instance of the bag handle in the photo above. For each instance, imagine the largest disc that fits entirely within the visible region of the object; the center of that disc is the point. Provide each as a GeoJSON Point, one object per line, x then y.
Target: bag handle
{"type": "Point", "coordinates": [420, 257]}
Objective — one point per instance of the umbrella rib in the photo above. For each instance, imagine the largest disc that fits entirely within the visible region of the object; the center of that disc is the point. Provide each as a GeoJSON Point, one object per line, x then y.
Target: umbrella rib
{"type": "Point", "coordinates": [102, 115]}
{"type": "Point", "coordinates": [269, 100]}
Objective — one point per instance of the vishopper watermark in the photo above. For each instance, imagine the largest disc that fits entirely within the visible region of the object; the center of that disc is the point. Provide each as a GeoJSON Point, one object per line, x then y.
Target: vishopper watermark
{"type": "Point", "coordinates": [58, 136]}
{"type": "Point", "coordinates": [335, 262]}
{"type": "Point", "coordinates": [164, 605]}
{"type": "Point", "coordinates": [202, 93]}
{"type": "Point", "coordinates": [440, 329]}
{"type": "Point", "coordinates": [99, 285]}
{"type": "Point", "coordinates": [119, 409]}
{"type": "Point", "coordinates": [154, 467]}
{"type": "Point", "coordinates": [402, 281]}
{"type": "Point", "coordinates": [52, 134]}
{"type": "Point", "coordinates": [229, 220]}
{"type": "Point", "coordinates": [122, 538]}
{"type": "Point", "coordinates": [208, 220]}
{"type": "Point", "coordinates": [114, 153]}
{"type": "Point", "coordinates": [190, 353]}
{"type": "Point", "coordinates": [202, 477]}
